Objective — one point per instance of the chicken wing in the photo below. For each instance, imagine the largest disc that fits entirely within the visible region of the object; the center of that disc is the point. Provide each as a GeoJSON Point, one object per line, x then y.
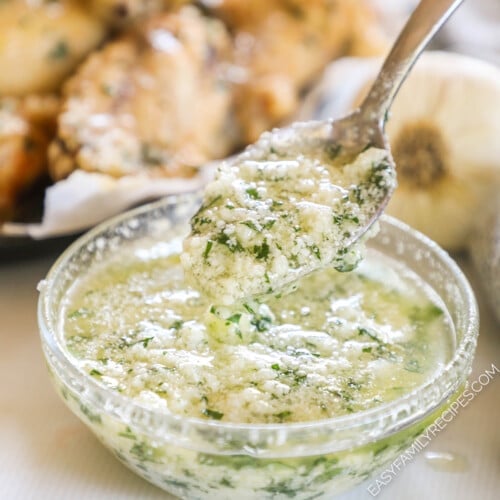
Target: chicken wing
{"type": "Point", "coordinates": [42, 42]}
{"type": "Point", "coordinates": [26, 127]}
{"type": "Point", "coordinates": [153, 101]}
{"type": "Point", "coordinates": [281, 45]}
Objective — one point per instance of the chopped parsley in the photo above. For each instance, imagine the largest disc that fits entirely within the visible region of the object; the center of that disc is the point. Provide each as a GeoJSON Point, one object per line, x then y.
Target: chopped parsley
{"type": "Point", "coordinates": [213, 414]}
{"type": "Point", "coordinates": [253, 193]}
{"type": "Point", "coordinates": [59, 51]}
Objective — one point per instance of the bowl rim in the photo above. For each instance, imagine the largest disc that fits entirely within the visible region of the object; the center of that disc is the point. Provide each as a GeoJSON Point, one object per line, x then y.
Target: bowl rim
{"type": "Point", "coordinates": [391, 417]}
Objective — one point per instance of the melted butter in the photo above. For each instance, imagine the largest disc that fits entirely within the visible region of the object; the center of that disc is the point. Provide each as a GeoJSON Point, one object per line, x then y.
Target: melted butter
{"type": "Point", "coordinates": [340, 343]}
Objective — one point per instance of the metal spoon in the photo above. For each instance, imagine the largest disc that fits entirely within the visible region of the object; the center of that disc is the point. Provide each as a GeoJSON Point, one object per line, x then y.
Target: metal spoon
{"type": "Point", "coordinates": [365, 126]}
{"type": "Point", "coordinates": [250, 189]}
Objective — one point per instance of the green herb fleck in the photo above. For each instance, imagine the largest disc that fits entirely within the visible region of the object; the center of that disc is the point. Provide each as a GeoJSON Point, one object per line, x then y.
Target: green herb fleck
{"type": "Point", "coordinates": [145, 452]}
{"type": "Point", "coordinates": [281, 488]}
{"type": "Point", "coordinates": [423, 315]}
{"type": "Point", "coordinates": [213, 414]}
{"type": "Point", "coordinates": [368, 333]}
{"type": "Point", "coordinates": [315, 250]}
{"type": "Point", "coordinates": [353, 384]}
{"type": "Point", "coordinates": [378, 451]}
{"type": "Point", "coordinates": [283, 415]}
{"type": "Point", "coordinates": [212, 202]}
{"type": "Point", "coordinates": [261, 251]}
{"type": "Point", "coordinates": [174, 483]}
{"type": "Point", "coordinates": [200, 221]}
{"type": "Point", "coordinates": [226, 482]}
{"type": "Point", "coordinates": [253, 193]}
{"type": "Point", "coordinates": [233, 246]}
{"type": "Point", "coordinates": [261, 323]}
{"type": "Point", "coordinates": [177, 324]}
{"type": "Point", "coordinates": [251, 225]}
{"type": "Point", "coordinates": [92, 417]}
{"type": "Point", "coordinates": [79, 313]}
{"type": "Point", "coordinates": [328, 474]}
{"type": "Point", "coordinates": [248, 308]}
{"type": "Point", "coordinates": [146, 341]}
{"type": "Point", "coordinates": [235, 318]}
{"type": "Point", "coordinates": [59, 51]}
{"type": "Point", "coordinates": [208, 247]}
{"type": "Point", "coordinates": [269, 224]}
{"type": "Point", "coordinates": [127, 433]}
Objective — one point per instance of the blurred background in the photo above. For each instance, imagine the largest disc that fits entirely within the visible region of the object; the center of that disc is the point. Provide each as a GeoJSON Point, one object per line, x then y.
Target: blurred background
{"type": "Point", "coordinates": [110, 103]}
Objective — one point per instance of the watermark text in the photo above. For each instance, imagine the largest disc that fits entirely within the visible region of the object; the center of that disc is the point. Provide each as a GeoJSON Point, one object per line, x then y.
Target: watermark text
{"type": "Point", "coordinates": [388, 474]}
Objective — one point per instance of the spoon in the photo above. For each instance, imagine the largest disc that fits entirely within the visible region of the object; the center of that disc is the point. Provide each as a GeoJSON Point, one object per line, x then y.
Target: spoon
{"type": "Point", "coordinates": [302, 197]}
{"type": "Point", "coordinates": [366, 124]}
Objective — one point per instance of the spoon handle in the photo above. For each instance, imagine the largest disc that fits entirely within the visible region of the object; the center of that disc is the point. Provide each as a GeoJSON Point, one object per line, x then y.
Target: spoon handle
{"type": "Point", "coordinates": [423, 24]}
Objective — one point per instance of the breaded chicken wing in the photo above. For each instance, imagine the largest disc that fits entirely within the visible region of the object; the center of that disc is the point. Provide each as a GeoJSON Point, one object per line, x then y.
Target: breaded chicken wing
{"type": "Point", "coordinates": [281, 45]}
{"type": "Point", "coordinates": [26, 127]}
{"type": "Point", "coordinates": [153, 101]}
{"type": "Point", "coordinates": [42, 42]}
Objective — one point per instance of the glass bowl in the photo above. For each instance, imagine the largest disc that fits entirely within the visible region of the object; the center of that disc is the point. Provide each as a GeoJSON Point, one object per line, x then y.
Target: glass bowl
{"type": "Point", "coordinates": [205, 459]}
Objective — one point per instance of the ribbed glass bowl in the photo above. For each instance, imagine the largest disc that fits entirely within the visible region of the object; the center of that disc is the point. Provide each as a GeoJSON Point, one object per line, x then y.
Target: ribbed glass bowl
{"type": "Point", "coordinates": [200, 459]}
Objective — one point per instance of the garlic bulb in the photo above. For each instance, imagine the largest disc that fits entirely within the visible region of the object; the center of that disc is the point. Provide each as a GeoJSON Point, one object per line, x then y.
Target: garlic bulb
{"type": "Point", "coordinates": [444, 130]}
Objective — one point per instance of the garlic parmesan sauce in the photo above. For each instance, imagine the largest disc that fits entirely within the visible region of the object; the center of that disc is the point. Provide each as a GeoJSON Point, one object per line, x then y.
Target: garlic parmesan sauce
{"type": "Point", "coordinates": [289, 204]}
{"type": "Point", "coordinates": [340, 343]}
{"type": "Point", "coordinates": [251, 320]}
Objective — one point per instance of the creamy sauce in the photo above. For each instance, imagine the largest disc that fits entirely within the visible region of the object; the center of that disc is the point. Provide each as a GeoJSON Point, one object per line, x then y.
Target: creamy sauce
{"type": "Point", "coordinates": [340, 343]}
{"type": "Point", "coordinates": [283, 208]}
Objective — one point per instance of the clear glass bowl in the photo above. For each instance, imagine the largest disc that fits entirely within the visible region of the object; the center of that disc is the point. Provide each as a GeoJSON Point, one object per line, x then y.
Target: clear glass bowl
{"type": "Point", "coordinates": [199, 459]}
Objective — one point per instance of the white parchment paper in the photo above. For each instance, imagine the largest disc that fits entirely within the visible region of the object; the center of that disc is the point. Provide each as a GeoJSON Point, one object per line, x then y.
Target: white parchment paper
{"type": "Point", "coordinates": [85, 199]}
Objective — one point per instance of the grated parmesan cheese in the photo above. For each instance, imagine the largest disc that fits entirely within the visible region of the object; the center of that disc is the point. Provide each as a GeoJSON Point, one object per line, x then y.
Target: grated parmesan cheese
{"type": "Point", "coordinates": [280, 210]}
{"type": "Point", "coordinates": [340, 343]}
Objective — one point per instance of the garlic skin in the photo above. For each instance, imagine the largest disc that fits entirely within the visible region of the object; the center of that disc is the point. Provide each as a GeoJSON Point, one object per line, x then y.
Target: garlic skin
{"type": "Point", "coordinates": [484, 249]}
{"type": "Point", "coordinates": [444, 130]}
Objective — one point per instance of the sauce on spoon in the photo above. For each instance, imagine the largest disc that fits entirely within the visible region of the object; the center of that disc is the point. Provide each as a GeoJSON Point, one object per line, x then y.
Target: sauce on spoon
{"type": "Point", "coordinates": [285, 207]}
